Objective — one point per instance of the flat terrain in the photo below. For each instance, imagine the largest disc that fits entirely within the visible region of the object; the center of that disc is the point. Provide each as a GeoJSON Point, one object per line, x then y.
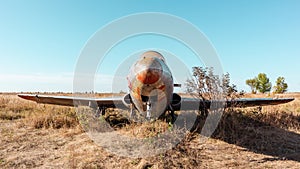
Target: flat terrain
{"type": "Point", "coordinates": [46, 136]}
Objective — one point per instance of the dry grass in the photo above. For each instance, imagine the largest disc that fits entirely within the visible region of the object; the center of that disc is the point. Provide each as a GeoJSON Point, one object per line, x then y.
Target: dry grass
{"type": "Point", "coordinates": [37, 116]}
{"type": "Point", "coordinates": [40, 136]}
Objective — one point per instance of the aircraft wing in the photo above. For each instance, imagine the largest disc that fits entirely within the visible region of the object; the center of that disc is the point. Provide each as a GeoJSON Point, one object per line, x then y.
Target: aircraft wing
{"type": "Point", "coordinates": [189, 103]}
{"type": "Point", "coordinates": [186, 103]}
{"type": "Point", "coordinates": [75, 101]}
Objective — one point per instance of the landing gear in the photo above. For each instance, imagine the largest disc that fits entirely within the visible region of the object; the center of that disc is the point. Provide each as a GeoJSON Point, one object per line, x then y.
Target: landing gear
{"type": "Point", "coordinates": [148, 110]}
{"type": "Point", "coordinates": [132, 111]}
{"type": "Point", "coordinates": [100, 111]}
{"type": "Point", "coordinates": [169, 115]}
{"type": "Point", "coordinates": [148, 106]}
{"type": "Point", "coordinates": [172, 114]}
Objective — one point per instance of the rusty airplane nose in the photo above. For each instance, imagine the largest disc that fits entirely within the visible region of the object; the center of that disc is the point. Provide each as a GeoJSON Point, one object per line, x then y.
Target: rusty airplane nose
{"type": "Point", "coordinates": [149, 76]}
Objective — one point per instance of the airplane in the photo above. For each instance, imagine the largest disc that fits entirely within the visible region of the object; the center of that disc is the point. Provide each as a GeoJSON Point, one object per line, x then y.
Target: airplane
{"type": "Point", "coordinates": [151, 92]}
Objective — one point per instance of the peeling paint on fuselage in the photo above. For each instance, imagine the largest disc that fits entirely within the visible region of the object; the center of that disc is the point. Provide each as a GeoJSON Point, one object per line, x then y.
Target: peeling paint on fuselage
{"type": "Point", "coordinates": [150, 80]}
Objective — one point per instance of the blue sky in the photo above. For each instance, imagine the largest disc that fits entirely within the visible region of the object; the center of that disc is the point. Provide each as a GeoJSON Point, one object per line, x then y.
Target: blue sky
{"type": "Point", "coordinates": [40, 41]}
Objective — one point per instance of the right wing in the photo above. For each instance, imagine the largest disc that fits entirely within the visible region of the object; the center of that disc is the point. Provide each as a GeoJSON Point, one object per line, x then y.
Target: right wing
{"type": "Point", "coordinates": [195, 103]}
{"type": "Point", "coordinates": [250, 102]}
{"type": "Point", "coordinates": [75, 101]}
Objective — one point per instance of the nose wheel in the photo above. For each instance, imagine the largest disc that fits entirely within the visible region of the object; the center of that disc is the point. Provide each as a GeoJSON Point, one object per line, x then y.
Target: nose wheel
{"type": "Point", "coordinates": [148, 110]}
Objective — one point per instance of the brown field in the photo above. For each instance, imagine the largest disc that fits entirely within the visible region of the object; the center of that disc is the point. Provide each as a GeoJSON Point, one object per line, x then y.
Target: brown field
{"type": "Point", "coordinates": [47, 136]}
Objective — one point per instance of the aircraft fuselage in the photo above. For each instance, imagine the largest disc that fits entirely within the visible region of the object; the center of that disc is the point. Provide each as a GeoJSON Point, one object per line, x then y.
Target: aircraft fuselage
{"type": "Point", "coordinates": [150, 84]}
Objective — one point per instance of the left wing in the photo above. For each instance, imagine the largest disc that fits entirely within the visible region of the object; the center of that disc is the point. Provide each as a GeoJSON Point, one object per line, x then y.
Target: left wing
{"type": "Point", "coordinates": [75, 101]}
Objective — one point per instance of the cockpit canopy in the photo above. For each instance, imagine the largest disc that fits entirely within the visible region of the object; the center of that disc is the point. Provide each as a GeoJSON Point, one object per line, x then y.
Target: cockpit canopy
{"type": "Point", "coordinates": [152, 54]}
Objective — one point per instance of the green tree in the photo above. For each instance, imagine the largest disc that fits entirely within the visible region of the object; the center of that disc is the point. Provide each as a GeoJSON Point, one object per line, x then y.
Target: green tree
{"type": "Point", "coordinates": [253, 84]}
{"type": "Point", "coordinates": [280, 86]}
{"type": "Point", "coordinates": [263, 83]}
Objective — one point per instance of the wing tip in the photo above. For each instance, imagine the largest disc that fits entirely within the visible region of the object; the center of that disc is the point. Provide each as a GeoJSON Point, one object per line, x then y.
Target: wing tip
{"type": "Point", "coordinates": [27, 96]}
{"type": "Point", "coordinates": [288, 99]}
